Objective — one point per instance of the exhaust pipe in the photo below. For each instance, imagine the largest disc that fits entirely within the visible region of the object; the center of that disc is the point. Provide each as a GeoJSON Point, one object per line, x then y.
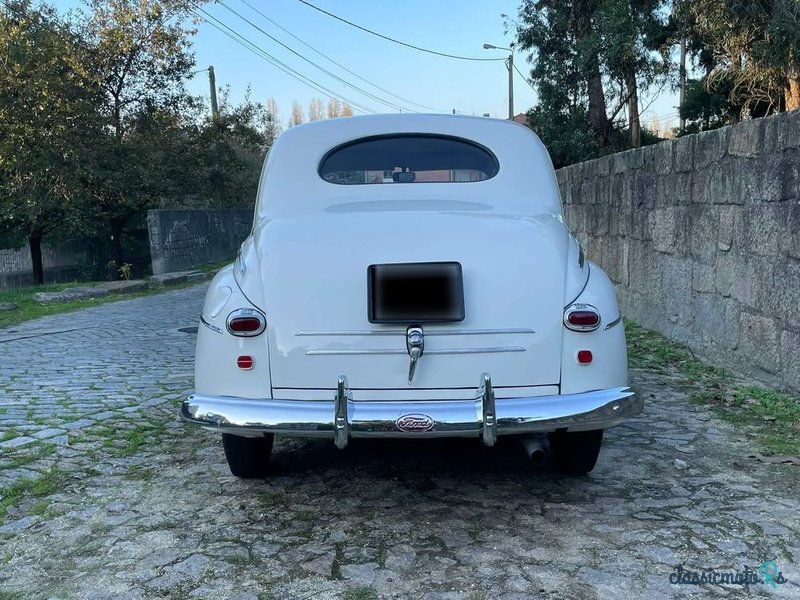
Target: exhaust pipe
{"type": "Point", "coordinates": [533, 448]}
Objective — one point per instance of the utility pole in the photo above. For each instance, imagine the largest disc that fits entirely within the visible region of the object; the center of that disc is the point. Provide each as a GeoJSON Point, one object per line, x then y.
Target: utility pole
{"type": "Point", "coordinates": [510, 65]}
{"type": "Point", "coordinates": [212, 82]}
{"type": "Point", "coordinates": [511, 87]}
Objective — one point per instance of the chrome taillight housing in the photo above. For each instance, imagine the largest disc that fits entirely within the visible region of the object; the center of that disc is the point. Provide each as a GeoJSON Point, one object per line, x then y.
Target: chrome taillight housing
{"type": "Point", "coordinates": [246, 322]}
{"type": "Point", "coordinates": [581, 317]}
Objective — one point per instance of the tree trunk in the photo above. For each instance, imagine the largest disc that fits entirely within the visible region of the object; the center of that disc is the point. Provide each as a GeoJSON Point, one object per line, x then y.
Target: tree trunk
{"type": "Point", "coordinates": [792, 92]}
{"type": "Point", "coordinates": [35, 243]}
{"type": "Point", "coordinates": [597, 108]}
{"type": "Point", "coordinates": [584, 29]}
{"type": "Point", "coordinates": [633, 111]}
{"type": "Point", "coordinates": [116, 241]}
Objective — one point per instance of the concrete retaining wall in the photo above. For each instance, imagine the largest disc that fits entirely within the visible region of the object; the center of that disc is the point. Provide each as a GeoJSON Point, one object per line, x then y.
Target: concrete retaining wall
{"type": "Point", "coordinates": [70, 260]}
{"type": "Point", "coordinates": [182, 239]}
{"type": "Point", "coordinates": [702, 237]}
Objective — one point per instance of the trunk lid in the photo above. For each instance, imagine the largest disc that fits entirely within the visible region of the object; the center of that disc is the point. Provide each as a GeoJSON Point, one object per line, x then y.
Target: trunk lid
{"type": "Point", "coordinates": [314, 273]}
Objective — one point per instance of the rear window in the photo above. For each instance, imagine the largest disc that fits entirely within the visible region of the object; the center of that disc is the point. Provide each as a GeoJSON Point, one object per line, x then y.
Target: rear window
{"type": "Point", "coordinates": [413, 158]}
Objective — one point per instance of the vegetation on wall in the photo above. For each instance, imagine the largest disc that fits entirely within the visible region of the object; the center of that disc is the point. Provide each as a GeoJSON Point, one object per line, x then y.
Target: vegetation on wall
{"type": "Point", "coordinates": [593, 61]}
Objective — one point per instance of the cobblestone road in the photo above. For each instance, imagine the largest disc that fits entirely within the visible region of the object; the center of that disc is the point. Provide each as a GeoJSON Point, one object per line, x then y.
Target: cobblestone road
{"type": "Point", "coordinates": [108, 495]}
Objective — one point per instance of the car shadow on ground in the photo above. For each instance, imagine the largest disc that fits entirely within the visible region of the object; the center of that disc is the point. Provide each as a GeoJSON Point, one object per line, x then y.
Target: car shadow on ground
{"type": "Point", "coordinates": [420, 457]}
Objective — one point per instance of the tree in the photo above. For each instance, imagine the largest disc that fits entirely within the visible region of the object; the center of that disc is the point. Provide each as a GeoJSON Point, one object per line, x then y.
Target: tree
{"type": "Point", "coordinates": [334, 108]}
{"type": "Point", "coordinates": [226, 155]}
{"type": "Point", "coordinates": [565, 48]}
{"type": "Point", "coordinates": [781, 49]}
{"type": "Point", "coordinates": [297, 114]}
{"type": "Point", "coordinates": [316, 110]}
{"type": "Point", "coordinates": [346, 110]}
{"type": "Point", "coordinates": [753, 49]}
{"type": "Point", "coordinates": [591, 59]}
{"type": "Point", "coordinates": [704, 110]}
{"type": "Point", "coordinates": [274, 125]}
{"type": "Point", "coordinates": [143, 56]}
{"type": "Point", "coordinates": [47, 117]}
{"type": "Point", "coordinates": [634, 52]}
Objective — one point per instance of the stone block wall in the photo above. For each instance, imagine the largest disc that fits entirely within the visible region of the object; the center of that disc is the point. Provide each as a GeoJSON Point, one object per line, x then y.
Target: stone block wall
{"type": "Point", "coordinates": [701, 236]}
{"type": "Point", "coordinates": [182, 239]}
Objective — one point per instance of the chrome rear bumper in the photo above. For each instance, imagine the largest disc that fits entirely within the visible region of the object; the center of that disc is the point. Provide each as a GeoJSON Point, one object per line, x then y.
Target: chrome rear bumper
{"type": "Point", "coordinates": [342, 418]}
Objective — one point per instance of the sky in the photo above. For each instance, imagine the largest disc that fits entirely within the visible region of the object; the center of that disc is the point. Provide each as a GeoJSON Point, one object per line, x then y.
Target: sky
{"type": "Point", "coordinates": [425, 82]}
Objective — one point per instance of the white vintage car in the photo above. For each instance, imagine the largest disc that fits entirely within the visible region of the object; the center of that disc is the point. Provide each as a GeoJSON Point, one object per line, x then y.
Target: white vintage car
{"type": "Point", "coordinates": [410, 276]}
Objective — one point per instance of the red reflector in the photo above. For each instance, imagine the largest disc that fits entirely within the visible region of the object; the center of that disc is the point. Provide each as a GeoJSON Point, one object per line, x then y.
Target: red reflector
{"type": "Point", "coordinates": [244, 324]}
{"type": "Point", "coordinates": [245, 362]}
{"type": "Point", "coordinates": [585, 318]}
{"type": "Point", "coordinates": [584, 357]}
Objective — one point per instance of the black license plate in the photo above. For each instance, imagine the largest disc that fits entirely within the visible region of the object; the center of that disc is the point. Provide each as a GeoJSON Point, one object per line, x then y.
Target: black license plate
{"type": "Point", "coordinates": [415, 293]}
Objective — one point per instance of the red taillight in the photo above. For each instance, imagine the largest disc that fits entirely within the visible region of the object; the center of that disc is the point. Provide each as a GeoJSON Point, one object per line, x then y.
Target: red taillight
{"type": "Point", "coordinates": [584, 357]}
{"type": "Point", "coordinates": [245, 362]}
{"type": "Point", "coordinates": [583, 318]}
{"type": "Point", "coordinates": [245, 322]}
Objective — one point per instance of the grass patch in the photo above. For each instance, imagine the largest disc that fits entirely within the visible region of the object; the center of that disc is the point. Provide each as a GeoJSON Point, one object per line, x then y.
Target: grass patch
{"type": "Point", "coordinates": [8, 435]}
{"type": "Point", "coordinates": [40, 508]}
{"type": "Point", "coordinates": [49, 483]}
{"type": "Point", "coordinates": [271, 500]}
{"type": "Point", "coordinates": [774, 415]}
{"type": "Point", "coordinates": [126, 441]}
{"type": "Point", "coordinates": [139, 473]}
{"type": "Point", "coordinates": [28, 308]}
{"type": "Point", "coordinates": [133, 439]}
{"type": "Point", "coordinates": [653, 352]}
{"type": "Point", "coordinates": [361, 593]}
{"type": "Point", "coordinates": [32, 454]}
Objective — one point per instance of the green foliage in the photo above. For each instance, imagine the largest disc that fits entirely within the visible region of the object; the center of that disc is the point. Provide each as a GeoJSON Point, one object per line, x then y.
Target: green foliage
{"type": "Point", "coordinates": [48, 103]}
{"type": "Point", "coordinates": [49, 483]}
{"type": "Point", "coordinates": [125, 271]}
{"type": "Point", "coordinates": [567, 134]}
{"type": "Point", "coordinates": [589, 56]}
{"type": "Point", "coordinates": [775, 416]}
{"type": "Point", "coordinates": [225, 155]}
{"type": "Point", "coordinates": [705, 110]}
{"type": "Point", "coordinates": [752, 51]}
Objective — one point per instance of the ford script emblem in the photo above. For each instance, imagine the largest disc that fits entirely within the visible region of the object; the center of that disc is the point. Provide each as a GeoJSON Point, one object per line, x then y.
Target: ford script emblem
{"type": "Point", "coordinates": [414, 422]}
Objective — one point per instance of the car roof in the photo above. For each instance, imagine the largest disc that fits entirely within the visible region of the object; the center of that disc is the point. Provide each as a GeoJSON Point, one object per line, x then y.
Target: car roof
{"type": "Point", "coordinates": [524, 184]}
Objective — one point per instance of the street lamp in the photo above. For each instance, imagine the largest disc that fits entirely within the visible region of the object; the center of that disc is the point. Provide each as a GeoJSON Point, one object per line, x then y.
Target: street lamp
{"type": "Point", "coordinates": [510, 65]}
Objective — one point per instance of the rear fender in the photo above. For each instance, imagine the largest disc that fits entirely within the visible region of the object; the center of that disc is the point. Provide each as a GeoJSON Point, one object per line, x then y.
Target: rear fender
{"type": "Point", "coordinates": [609, 366]}
{"type": "Point", "coordinates": [216, 369]}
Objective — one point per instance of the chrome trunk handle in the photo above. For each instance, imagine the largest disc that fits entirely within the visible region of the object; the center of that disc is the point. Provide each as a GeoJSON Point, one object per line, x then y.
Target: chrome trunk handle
{"type": "Point", "coordinates": [415, 344]}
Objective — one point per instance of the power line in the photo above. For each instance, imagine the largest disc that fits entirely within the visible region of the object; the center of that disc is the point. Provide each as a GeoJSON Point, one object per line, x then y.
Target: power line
{"type": "Point", "coordinates": [386, 37]}
{"type": "Point", "coordinates": [341, 66]}
{"type": "Point", "coordinates": [525, 79]}
{"type": "Point", "coordinates": [312, 63]}
{"type": "Point", "coordinates": [264, 55]}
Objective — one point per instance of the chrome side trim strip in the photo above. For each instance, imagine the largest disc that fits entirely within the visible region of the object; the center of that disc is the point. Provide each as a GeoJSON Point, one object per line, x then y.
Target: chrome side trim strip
{"type": "Point", "coordinates": [428, 332]}
{"type": "Point", "coordinates": [488, 350]}
{"type": "Point", "coordinates": [616, 321]}
{"type": "Point", "coordinates": [585, 283]}
{"type": "Point", "coordinates": [352, 352]}
{"type": "Point", "coordinates": [210, 326]}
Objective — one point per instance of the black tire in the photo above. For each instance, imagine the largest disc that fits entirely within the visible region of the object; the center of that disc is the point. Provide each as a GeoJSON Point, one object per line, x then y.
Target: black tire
{"type": "Point", "coordinates": [575, 452]}
{"type": "Point", "coordinates": [248, 457]}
